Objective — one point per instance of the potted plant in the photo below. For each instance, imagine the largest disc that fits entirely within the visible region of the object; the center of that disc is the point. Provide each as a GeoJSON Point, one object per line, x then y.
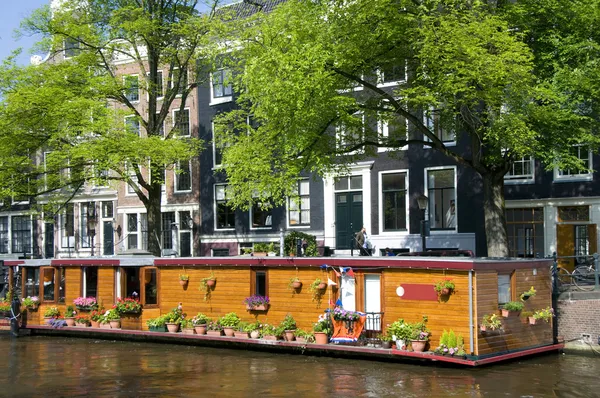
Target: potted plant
{"type": "Point", "coordinates": [268, 332]}
{"type": "Point", "coordinates": [254, 329]}
{"type": "Point", "coordinates": [157, 324]}
{"type": "Point", "coordinates": [5, 306]}
{"type": "Point", "coordinates": [50, 312]}
{"type": "Point", "coordinates": [242, 330]}
{"type": "Point", "coordinates": [70, 315]}
{"type": "Point", "coordinates": [512, 308]}
{"type": "Point", "coordinates": [207, 285]}
{"type": "Point", "coordinates": [95, 318]}
{"type": "Point", "coordinates": [444, 287]}
{"type": "Point", "coordinates": [213, 328]}
{"type": "Point", "coordinates": [288, 325]}
{"type": "Point", "coordinates": [322, 329]}
{"type": "Point", "coordinates": [257, 303]}
{"type": "Point", "coordinates": [184, 279]}
{"type": "Point", "coordinates": [544, 314]}
{"type": "Point", "coordinates": [31, 302]}
{"type": "Point", "coordinates": [114, 318]}
{"type": "Point", "coordinates": [85, 303]}
{"type": "Point", "coordinates": [304, 337]}
{"type": "Point", "coordinates": [528, 294]}
{"type": "Point", "coordinates": [317, 288]}
{"type": "Point", "coordinates": [187, 326]}
{"type": "Point", "coordinates": [401, 332]}
{"type": "Point", "coordinates": [420, 335]}
{"type": "Point", "coordinates": [451, 344]}
{"type": "Point", "coordinates": [490, 322]}
{"type": "Point", "coordinates": [294, 284]}
{"type": "Point", "coordinates": [173, 318]}
{"type": "Point", "coordinates": [128, 306]}
{"type": "Point", "coordinates": [200, 321]}
{"type": "Point", "coordinates": [262, 249]}
{"type": "Point", "coordinates": [229, 322]}
{"type": "Point", "coordinates": [82, 321]}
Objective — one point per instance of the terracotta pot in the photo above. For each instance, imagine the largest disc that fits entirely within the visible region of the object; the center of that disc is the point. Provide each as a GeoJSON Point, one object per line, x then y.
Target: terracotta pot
{"type": "Point", "coordinates": [210, 282]}
{"type": "Point", "coordinates": [401, 345]}
{"type": "Point", "coordinates": [532, 320]}
{"type": "Point", "coordinates": [116, 324]}
{"type": "Point", "coordinates": [105, 326]}
{"type": "Point", "coordinates": [228, 332]}
{"type": "Point", "coordinates": [264, 307]}
{"type": "Point", "coordinates": [322, 286]}
{"type": "Point", "coordinates": [446, 291]}
{"type": "Point", "coordinates": [301, 340]}
{"type": "Point", "coordinates": [418, 345]}
{"type": "Point", "coordinates": [200, 329]}
{"type": "Point", "coordinates": [255, 334]}
{"type": "Point", "coordinates": [70, 321]}
{"type": "Point", "coordinates": [507, 313]}
{"type": "Point", "coordinates": [321, 338]}
{"type": "Point", "coordinates": [386, 344]}
{"type": "Point", "coordinates": [214, 332]}
{"type": "Point", "coordinates": [296, 285]}
{"type": "Point", "coordinates": [187, 330]}
{"type": "Point", "coordinates": [95, 324]}
{"type": "Point", "coordinates": [240, 334]}
{"type": "Point", "coordinates": [183, 283]}
{"type": "Point", "coordinates": [269, 338]}
{"type": "Point", "coordinates": [172, 327]}
{"type": "Point", "coordinates": [289, 335]}
{"type": "Point", "coordinates": [483, 328]}
{"type": "Point", "coordinates": [82, 325]}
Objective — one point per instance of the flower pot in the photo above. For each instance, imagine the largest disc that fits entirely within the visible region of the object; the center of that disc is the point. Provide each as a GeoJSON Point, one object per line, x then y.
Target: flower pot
{"type": "Point", "coordinates": [172, 327]}
{"type": "Point", "coordinates": [228, 331]}
{"type": "Point", "coordinates": [301, 340]}
{"type": "Point", "coordinates": [115, 324]}
{"type": "Point", "coordinates": [386, 344]}
{"type": "Point", "coordinates": [183, 283]}
{"type": "Point", "coordinates": [532, 320]}
{"type": "Point", "coordinates": [274, 338]}
{"type": "Point", "coordinates": [70, 321]}
{"type": "Point", "coordinates": [95, 324]}
{"type": "Point", "coordinates": [507, 313]}
{"type": "Point", "coordinates": [105, 325]}
{"type": "Point", "coordinates": [483, 328]}
{"type": "Point", "coordinates": [210, 282]}
{"type": "Point", "coordinates": [214, 332]}
{"type": "Point", "coordinates": [161, 329]}
{"type": "Point", "coordinates": [418, 345]}
{"type": "Point", "coordinates": [255, 334]}
{"type": "Point", "coordinates": [264, 307]}
{"type": "Point", "coordinates": [241, 334]}
{"type": "Point", "coordinates": [446, 291]}
{"type": "Point", "coordinates": [322, 286]}
{"type": "Point", "coordinates": [187, 330]}
{"type": "Point", "coordinates": [400, 345]}
{"type": "Point", "coordinates": [289, 335]}
{"type": "Point", "coordinates": [82, 325]}
{"type": "Point", "coordinates": [200, 329]}
{"type": "Point", "coordinates": [296, 285]}
{"type": "Point", "coordinates": [321, 338]}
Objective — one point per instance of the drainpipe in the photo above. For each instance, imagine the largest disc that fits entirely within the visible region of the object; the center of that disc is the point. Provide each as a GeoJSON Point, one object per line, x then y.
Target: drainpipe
{"type": "Point", "coordinates": [471, 326]}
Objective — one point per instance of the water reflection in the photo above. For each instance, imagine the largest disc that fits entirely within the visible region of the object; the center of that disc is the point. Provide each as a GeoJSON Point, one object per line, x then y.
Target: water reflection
{"type": "Point", "coordinates": [81, 367]}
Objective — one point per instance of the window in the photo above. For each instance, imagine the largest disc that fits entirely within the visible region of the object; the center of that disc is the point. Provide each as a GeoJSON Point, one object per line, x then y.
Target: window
{"type": "Point", "coordinates": [521, 170]}
{"type": "Point", "coordinates": [348, 183]}
{"type": "Point", "coordinates": [351, 133]}
{"type": "Point", "coordinates": [438, 125]}
{"type": "Point", "coordinates": [31, 282]}
{"type": "Point", "coordinates": [62, 280]}
{"type": "Point", "coordinates": [83, 229]}
{"type": "Point", "coordinates": [393, 130]}
{"type": "Point", "coordinates": [158, 83]}
{"type": "Point", "coordinates": [299, 206]}
{"type": "Point", "coordinates": [221, 252]}
{"type": "Point", "coordinates": [584, 154]}
{"type": "Point", "coordinates": [89, 287]}
{"type": "Point", "coordinates": [129, 282]}
{"type": "Point", "coordinates": [161, 128]}
{"type": "Point", "coordinates": [221, 83]}
{"type": "Point", "coordinates": [132, 91]}
{"type": "Point", "coordinates": [132, 231]}
{"type": "Point", "coordinates": [504, 290]}
{"type": "Point", "coordinates": [525, 228]}
{"type": "Point", "coordinates": [185, 234]}
{"type": "Point", "coordinates": [582, 240]}
{"type": "Point", "coordinates": [71, 47]}
{"type": "Point", "coordinates": [49, 278]}
{"type": "Point", "coordinates": [393, 198]}
{"type": "Point", "coordinates": [107, 209]}
{"type": "Point", "coordinates": [4, 234]}
{"type": "Point", "coordinates": [150, 292]}
{"type": "Point", "coordinates": [180, 80]}
{"type": "Point", "coordinates": [259, 283]}
{"type": "Point", "coordinates": [225, 214]}
{"type": "Point", "coordinates": [573, 213]}
{"type": "Point", "coordinates": [168, 230]}
{"type": "Point", "coordinates": [132, 125]}
{"type": "Point", "coordinates": [261, 215]}
{"type": "Point", "coordinates": [217, 150]}
{"type": "Point", "coordinates": [392, 72]}
{"type": "Point", "coordinates": [21, 234]}
{"type": "Point", "coordinates": [183, 177]}
{"type": "Point", "coordinates": [442, 199]}
{"type": "Point", "coordinates": [182, 123]}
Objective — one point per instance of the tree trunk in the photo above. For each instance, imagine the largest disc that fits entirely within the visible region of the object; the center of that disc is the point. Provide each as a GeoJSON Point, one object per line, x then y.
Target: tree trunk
{"type": "Point", "coordinates": [494, 214]}
{"type": "Point", "coordinates": [154, 219]}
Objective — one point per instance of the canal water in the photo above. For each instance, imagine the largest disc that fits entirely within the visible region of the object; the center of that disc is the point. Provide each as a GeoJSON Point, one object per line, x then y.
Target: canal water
{"type": "Point", "coordinates": [69, 367]}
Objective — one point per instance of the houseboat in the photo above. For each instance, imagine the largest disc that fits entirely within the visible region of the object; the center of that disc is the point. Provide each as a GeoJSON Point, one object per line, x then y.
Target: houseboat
{"type": "Point", "coordinates": [383, 290]}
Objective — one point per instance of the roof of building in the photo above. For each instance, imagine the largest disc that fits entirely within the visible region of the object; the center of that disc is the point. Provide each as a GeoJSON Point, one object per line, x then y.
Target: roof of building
{"type": "Point", "coordinates": [247, 8]}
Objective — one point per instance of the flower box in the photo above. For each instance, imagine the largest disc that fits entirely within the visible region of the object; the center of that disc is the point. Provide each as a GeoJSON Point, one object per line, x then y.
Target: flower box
{"type": "Point", "coordinates": [271, 338]}
{"type": "Point", "coordinates": [214, 333]}
{"type": "Point", "coordinates": [85, 307]}
{"type": "Point", "coordinates": [131, 312]}
{"type": "Point", "coordinates": [264, 307]}
{"type": "Point", "coordinates": [507, 313]}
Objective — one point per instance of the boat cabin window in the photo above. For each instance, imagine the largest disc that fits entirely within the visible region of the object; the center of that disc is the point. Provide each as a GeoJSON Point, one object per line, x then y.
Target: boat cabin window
{"type": "Point", "coordinates": [130, 282]}
{"type": "Point", "coordinates": [52, 283]}
{"type": "Point", "coordinates": [150, 291]}
{"type": "Point", "coordinates": [62, 277]}
{"type": "Point", "coordinates": [49, 277]}
{"type": "Point", "coordinates": [89, 287]}
{"type": "Point", "coordinates": [504, 288]}
{"type": "Point", "coordinates": [31, 282]}
{"type": "Point", "coordinates": [259, 283]}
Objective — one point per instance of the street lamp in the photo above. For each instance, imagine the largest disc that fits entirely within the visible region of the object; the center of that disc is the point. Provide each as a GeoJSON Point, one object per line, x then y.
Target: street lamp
{"type": "Point", "coordinates": [423, 202]}
{"type": "Point", "coordinates": [92, 220]}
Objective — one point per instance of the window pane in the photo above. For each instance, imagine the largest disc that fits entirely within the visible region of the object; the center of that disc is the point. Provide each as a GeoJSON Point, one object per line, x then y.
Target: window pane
{"type": "Point", "coordinates": [61, 284]}
{"type": "Point", "coordinates": [442, 199]}
{"type": "Point", "coordinates": [32, 282]}
{"type": "Point", "coordinates": [21, 234]}
{"type": "Point", "coordinates": [503, 289]}
{"type": "Point", "coordinates": [49, 284]}
{"type": "Point", "coordinates": [150, 286]}
{"type": "Point", "coordinates": [356, 182]}
{"type": "Point", "coordinates": [91, 282]}
{"type": "Point", "coordinates": [132, 281]}
{"type": "Point", "coordinates": [394, 201]}
{"type": "Point", "coordinates": [261, 283]}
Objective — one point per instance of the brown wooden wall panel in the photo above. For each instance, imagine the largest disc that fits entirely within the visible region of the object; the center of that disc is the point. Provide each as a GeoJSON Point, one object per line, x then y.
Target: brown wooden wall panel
{"type": "Point", "coordinates": [106, 286]}
{"type": "Point", "coordinates": [72, 284]}
{"type": "Point", "coordinates": [516, 332]}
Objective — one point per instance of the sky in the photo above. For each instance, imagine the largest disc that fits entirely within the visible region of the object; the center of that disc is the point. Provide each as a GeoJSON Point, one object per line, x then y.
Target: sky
{"type": "Point", "coordinates": [13, 12]}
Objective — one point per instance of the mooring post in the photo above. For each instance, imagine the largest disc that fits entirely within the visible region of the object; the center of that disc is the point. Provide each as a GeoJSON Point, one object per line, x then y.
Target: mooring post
{"type": "Point", "coordinates": [596, 277]}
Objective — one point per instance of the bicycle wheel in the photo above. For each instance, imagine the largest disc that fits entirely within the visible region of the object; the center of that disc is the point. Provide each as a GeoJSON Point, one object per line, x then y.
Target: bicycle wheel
{"type": "Point", "coordinates": [564, 277]}
{"type": "Point", "coordinates": [583, 278]}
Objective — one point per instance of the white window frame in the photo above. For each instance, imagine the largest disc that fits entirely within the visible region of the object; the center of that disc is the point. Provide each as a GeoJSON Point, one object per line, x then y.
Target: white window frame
{"type": "Point", "coordinates": [125, 77]}
{"type": "Point", "coordinates": [584, 176]}
{"type": "Point", "coordinates": [66, 241]}
{"type": "Point", "coordinates": [174, 115]}
{"type": "Point", "coordinates": [217, 228]}
{"type": "Point", "coordinates": [521, 178]}
{"type": "Point", "coordinates": [383, 131]}
{"type": "Point", "coordinates": [162, 88]}
{"type": "Point", "coordinates": [341, 134]}
{"type": "Point", "coordinates": [219, 100]}
{"type": "Point", "coordinates": [214, 149]}
{"type": "Point", "coordinates": [426, 180]}
{"type": "Point", "coordinates": [299, 210]}
{"type": "Point", "coordinates": [177, 175]}
{"type": "Point", "coordinates": [139, 231]}
{"type": "Point", "coordinates": [138, 124]}
{"type": "Point", "coordinates": [381, 83]}
{"type": "Point", "coordinates": [428, 122]}
{"type": "Point", "coordinates": [382, 231]}
{"type": "Point", "coordinates": [65, 56]}
{"type": "Point", "coordinates": [187, 77]}
{"type": "Point", "coordinates": [266, 227]}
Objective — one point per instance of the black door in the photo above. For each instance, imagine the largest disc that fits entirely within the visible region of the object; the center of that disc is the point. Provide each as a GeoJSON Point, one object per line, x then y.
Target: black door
{"type": "Point", "coordinates": [348, 218]}
{"type": "Point", "coordinates": [49, 241]}
{"type": "Point", "coordinates": [108, 239]}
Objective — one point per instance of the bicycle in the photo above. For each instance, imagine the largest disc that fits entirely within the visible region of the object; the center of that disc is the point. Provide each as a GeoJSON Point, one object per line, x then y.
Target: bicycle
{"type": "Point", "coordinates": [564, 277]}
{"type": "Point", "coordinates": [583, 276]}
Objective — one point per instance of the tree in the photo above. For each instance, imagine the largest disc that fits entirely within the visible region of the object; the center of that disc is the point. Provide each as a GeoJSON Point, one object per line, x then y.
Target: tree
{"type": "Point", "coordinates": [470, 65]}
{"type": "Point", "coordinates": [74, 108]}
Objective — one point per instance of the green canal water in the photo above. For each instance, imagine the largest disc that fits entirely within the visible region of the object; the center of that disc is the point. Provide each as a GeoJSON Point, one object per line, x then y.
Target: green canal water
{"type": "Point", "coordinates": [69, 367]}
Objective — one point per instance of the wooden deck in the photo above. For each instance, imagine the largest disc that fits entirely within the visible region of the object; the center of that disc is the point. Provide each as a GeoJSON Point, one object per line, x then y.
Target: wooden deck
{"type": "Point", "coordinates": [279, 346]}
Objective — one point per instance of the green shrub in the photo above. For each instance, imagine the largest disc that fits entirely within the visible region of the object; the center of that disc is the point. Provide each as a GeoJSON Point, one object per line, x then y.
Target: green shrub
{"type": "Point", "coordinates": [290, 239]}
